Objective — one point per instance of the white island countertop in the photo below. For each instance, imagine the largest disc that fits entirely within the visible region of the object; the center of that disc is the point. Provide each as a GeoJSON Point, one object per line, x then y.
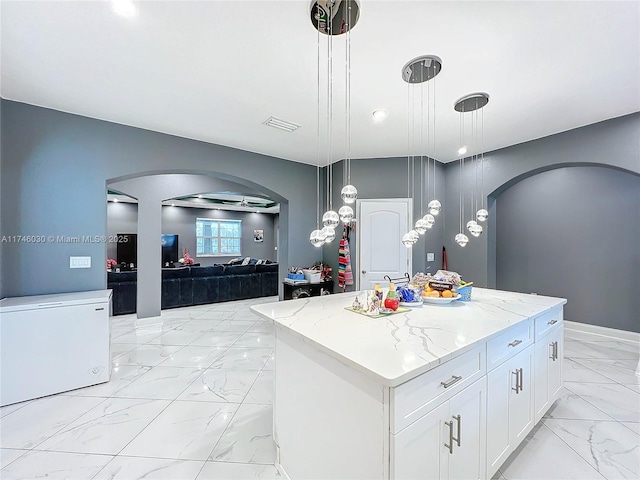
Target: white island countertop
{"type": "Point", "coordinates": [396, 348]}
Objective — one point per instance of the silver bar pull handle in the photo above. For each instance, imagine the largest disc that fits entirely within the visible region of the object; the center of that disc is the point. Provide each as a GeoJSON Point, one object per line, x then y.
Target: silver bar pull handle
{"type": "Point", "coordinates": [450, 446]}
{"type": "Point", "coordinates": [517, 389]}
{"type": "Point", "coordinates": [520, 377]}
{"type": "Point", "coordinates": [515, 343]}
{"type": "Point", "coordinates": [553, 351]}
{"type": "Point", "coordinates": [552, 322]}
{"type": "Point", "coordinates": [457, 417]}
{"type": "Point", "coordinates": [454, 379]}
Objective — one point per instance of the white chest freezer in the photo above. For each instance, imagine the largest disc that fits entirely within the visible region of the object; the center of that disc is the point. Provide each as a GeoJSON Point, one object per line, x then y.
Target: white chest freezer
{"type": "Point", "coordinates": [53, 343]}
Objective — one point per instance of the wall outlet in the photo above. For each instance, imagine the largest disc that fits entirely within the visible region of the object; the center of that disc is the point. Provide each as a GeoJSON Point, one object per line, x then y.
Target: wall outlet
{"type": "Point", "coordinates": [79, 262]}
{"type": "Point", "coordinates": [431, 257]}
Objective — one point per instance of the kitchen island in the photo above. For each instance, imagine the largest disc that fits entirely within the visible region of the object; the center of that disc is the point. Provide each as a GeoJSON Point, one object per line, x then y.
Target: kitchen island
{"type": "Point", "coordinates": [439, 391]}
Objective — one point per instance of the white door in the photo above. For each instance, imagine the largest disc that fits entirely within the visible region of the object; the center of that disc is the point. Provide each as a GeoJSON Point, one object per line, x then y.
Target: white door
{"type": "Point", "coordinates": [382, 223]}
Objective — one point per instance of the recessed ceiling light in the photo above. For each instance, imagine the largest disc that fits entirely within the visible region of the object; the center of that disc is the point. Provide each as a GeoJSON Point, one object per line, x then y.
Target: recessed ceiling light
{"type": "Point", "coordinates": [379, 115]}
{"type": "Point", "coordinates": [173, 204]}
{"type": "Point", "coordinates": [199, 196]}
{"type": "Point", "coordinates": [462, 150]}
{"type": "Point", "coordinates": [115, 200]}
{"type": "Point", "coordinates": [124, 8]}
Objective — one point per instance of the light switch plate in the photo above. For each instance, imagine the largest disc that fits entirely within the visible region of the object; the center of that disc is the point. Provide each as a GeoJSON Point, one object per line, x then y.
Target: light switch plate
{"type": "Point", "coordinates": [431, 257]}
{"type": "Point", "coordinates": [79, 262]}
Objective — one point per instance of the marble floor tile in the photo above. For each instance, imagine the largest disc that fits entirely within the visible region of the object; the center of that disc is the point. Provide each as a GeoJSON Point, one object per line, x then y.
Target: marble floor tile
{"type": "Point", "coordinates": [635, 426]}
{"type": "Point", "coordinates": [262, 390]}
{"type": "Point", "coordinates": [573, 407]}
{"type": "Point", "coordinates": [615, 400]}
{"type": "Point", "coordinates": [139, 468]}
{"type": "Point", "coordinates": [194, 356]}
{"type": "Point", "coordinates": [256, 340]}
{"type": "Point", "coordinates": [217, 339]}
{"type": "Point", "coordinates": [221, 385]}
{"type": "Point", "coordinates": [176, 337]}
{"type": "Point", "coordinates": [543, 455]}
{"type": "Point", "coordinates": [243, 358]}
{"type": "Point", "coordinates": [147, 355]}
{"type": "Point", "coordinates": [611, 349]}
{"type": "Point", "coordinates": [195, 428]}
{"type": "Point", "coordinates": [573, 371]}
{"type": "Point", "coordinates": [121, 376]}
{"type": "Point", "coordinates": [118, 349]}
{"type": "Point", "coordinates": [262, 327]}
{"type": "Point", "coordinates": [7, 409]}
{"type": "Point", "coordinates": [139, 336]}
{"type": "Point", "coordinates": [271, 363]}
{"type": "Point", "coordinates": [164, 383]}
{"type": "Point", "coordinates": [248, 438]}
{"type": "Point", "coordinates": [240, 326]}
{"type": "Point", "coordinates": [634, 387]}
{"type": "Point", "coordinates": [54, 466]}
{"type": "Point", "coordinates": [498, 476]}
{"type": "Point", "coordinates": [589, 337]}
{"type": "Point", "coordinates": [238, 471]}
{"type": "Point", "coordinates": [34, 423]}
{"type": "Point", "coordinates": [198, 326]}
{"type": "Point", "coordinates": [107, 428]}
{"type": "Point", "coordinates": [8, 455]}
{"type": "Point", "coordinates": [609, 447]}
{"type": "Point", "coordinates": [620, 371]}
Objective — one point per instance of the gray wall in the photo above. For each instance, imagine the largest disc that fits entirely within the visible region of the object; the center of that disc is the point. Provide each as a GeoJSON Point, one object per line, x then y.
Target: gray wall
{"type": "Point", "coordinates": [575, 233]}
{"type": "Point", "coordinates": [123, 218]}
{"type": "Point", "coordinates": [614, 142]}
{"type": "Point", "coordinates": [55, 167]}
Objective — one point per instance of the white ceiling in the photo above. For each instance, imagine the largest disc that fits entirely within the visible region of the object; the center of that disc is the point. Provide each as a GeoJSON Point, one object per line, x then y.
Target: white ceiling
{"type": "Point", "coordinates": [216, 70]}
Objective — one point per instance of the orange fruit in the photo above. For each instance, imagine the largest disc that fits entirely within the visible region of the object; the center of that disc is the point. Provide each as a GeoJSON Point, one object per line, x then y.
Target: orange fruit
{"type": "Point", "coordinates": [433, 293]}
{"type": "Point", "coordinates": [447, 294]}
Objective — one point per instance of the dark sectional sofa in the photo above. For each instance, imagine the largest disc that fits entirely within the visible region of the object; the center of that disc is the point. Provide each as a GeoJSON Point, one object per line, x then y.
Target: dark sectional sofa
{"type": "Point", "coordinates": [182, 287]}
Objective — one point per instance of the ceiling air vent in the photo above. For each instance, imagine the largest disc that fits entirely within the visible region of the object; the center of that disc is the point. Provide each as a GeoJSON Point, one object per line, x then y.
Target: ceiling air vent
{"type": "Point", "coordinates": [281, 124]}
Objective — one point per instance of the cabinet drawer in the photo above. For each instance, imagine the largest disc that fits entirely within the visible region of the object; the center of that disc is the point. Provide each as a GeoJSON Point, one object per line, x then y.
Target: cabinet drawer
{"type": "Point", "coordinates": [547, 321]}
{"type": "Point", "coordinates": [415, 398]}
{"type": "Point", "coordinates": [509, 343]}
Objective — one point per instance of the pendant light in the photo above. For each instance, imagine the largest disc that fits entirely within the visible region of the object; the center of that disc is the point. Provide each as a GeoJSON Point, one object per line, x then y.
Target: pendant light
{"type": "Point", "coordinates": [418, 72]}
{"type": "Point", "coordinates": [471, 104]}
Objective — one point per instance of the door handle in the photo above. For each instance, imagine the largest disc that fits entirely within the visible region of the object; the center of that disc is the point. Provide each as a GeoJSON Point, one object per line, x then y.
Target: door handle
{"type": "Point", "coordinates": [555, 351]}
{"type": "Point", "coordinates": [515, 343]}
{"type": "Point", "coordinates": [454, 379]}
{"type": "Point", "coordinates": [364, 271]}
{"type": "Point", "coordinates": [517, 389]}
{"type": "Point", "coordinates": [450, 446]}
{"type": "Point", "coordinates": [457, 440]}
{"type": "Point", "coordinates": [552, 322]}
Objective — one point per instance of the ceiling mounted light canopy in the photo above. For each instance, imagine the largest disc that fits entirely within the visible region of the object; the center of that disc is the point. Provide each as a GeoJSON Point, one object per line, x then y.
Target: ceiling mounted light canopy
{"type": "Point", "coordinates": [334, 17]}
{"type": "Point", "coordinates": [421, 69]}
{"type": "Point", "coordinates": [471, 102]}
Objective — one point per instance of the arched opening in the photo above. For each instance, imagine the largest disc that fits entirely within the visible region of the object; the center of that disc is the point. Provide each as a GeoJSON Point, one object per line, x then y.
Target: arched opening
{"type": "Point", "coordinates": [175, 201]}
{"type": "Point", "coordinates": [572, 232]}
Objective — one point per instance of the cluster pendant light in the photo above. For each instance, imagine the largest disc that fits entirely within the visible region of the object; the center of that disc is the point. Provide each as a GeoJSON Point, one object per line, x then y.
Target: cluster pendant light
{"type": "Point", "coordinates": [417, 73]}
{"type": "Point", "coordinates": [471, 106]}
{"type": "Point", "coordinates": [334, 17]}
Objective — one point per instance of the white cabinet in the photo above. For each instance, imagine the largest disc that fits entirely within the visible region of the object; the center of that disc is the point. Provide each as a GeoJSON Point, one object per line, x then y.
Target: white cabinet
{"type": "Point", "coordinates": [53, 343]}
{"type": "Point", "coordinates": [446, 443]}
{"type": "Point", "coordinates": [548, 370]}
{"type": "Point", "coordinates": [510, 410]}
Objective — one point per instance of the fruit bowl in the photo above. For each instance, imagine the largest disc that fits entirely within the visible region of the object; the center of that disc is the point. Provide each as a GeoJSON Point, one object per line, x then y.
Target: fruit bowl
{"type": "Point", "coordinates": [440, 300]}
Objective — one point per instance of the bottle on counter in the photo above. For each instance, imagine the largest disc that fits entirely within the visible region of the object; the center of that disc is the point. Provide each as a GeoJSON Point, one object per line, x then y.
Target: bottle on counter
{"type": "Point", "coordinates": [378, 292]}
{"type": "Point", "coordinates": [392, 302]}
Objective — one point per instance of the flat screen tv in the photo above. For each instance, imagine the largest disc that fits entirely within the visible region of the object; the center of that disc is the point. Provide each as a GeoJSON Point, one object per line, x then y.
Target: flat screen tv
{"type": "Point", "coordinates": [170, 252]}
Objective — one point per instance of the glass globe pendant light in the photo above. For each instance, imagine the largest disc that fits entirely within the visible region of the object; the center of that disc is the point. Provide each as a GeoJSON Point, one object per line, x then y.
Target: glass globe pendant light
{"type": "Point", "coordinates": [349, 194]}
{"type": "Point", "coordinates": [346, 214]}
{"type": "Point", "coordinates": [330, 219]}
{"type": "Point", "coordinates": [430, 219]}
{"type": "Point", "coordinates": [318, 238]}
{"type": "Point", "coordinates": [329, 233]}
{"type": "Point", "coordinates": [462, 239]}
{"type": "Point", "coordinates": [476, 230]}
{"type": "Point", "coordinates": [482, 215]}
{"type": "Point", "coordinates": [421, 226]}
{"type": "Point", "coordinates": [434, 207]}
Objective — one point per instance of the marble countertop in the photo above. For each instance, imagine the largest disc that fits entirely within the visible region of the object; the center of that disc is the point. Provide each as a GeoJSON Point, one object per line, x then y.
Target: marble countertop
{"type": "Point", "coordinates": [12, 304]}
{"type": "Point", "coordinates": [396, 348]}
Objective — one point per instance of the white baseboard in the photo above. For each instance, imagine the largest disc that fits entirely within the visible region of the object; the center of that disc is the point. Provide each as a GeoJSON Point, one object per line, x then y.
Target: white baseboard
{"type": "Point", "coordinates": [603, 331]}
